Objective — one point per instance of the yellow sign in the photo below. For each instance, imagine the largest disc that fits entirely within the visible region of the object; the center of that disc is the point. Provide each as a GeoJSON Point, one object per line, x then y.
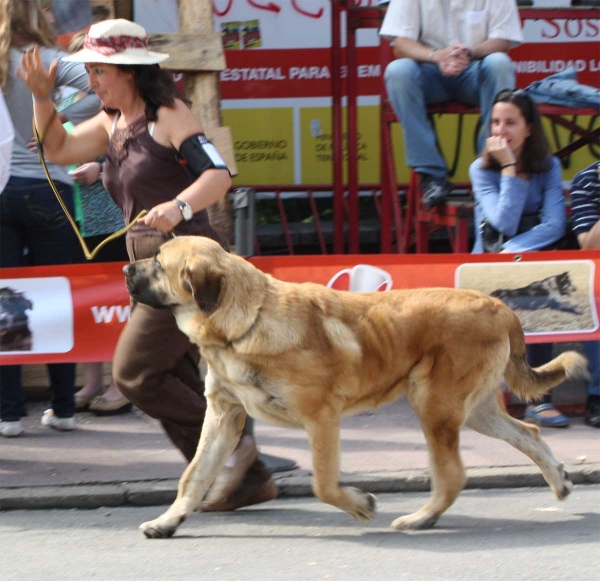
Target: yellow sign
{"type": "Point", "coordinates": [263, 141]}
{"type": "Point", "coordinates": [265, 153]}
{"type": "Point", "coordinates": [317, 145]}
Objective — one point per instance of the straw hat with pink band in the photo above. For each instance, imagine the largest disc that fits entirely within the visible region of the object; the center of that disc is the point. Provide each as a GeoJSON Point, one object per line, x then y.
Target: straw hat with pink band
{"type": "Point", "coordinates": [117, 42]}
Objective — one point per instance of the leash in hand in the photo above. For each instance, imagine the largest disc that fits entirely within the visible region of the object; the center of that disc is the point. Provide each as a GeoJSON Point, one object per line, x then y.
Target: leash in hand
{"type": "Point", "coordinates": [89, 255]}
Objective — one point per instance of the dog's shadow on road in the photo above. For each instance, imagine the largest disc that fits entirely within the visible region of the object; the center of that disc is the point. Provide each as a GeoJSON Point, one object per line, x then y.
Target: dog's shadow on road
{"type": "Point", "coordinates": [471, 533]}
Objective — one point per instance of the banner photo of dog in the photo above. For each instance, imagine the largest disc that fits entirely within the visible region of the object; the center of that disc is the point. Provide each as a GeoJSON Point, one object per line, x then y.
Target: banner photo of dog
{"type": "Point", "coordinates": [62, 314]}
{"type": "Point", "coordinates": [36, 315]}
{"type": "Point", "coordinates": [550, 297]}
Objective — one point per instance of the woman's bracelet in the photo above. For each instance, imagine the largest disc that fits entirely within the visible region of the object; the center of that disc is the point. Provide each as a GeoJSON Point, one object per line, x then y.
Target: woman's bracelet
{"type": "Point", "coordinates": [508, 165]}
{"type": "Point", "coordinates": [430, 56]}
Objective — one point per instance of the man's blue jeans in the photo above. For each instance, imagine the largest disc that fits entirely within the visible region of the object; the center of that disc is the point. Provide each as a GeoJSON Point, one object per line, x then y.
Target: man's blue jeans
{"type": "Point", "coordinates": [411, 86]}
{"type": "Point", "coordinates": [34, 231]}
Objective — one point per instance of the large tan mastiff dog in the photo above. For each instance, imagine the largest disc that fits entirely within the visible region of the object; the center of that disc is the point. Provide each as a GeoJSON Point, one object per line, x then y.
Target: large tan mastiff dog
{"type": "Point", "coordinates": [303, 355]}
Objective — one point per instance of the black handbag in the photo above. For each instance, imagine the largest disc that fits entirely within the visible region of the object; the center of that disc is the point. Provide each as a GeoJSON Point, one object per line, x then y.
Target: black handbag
{"type": "Point", "coordinates": [494, 239]}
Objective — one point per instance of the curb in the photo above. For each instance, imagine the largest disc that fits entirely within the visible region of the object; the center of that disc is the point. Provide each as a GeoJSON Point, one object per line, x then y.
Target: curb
{"type": "Point", "coordinates": [293, 485]}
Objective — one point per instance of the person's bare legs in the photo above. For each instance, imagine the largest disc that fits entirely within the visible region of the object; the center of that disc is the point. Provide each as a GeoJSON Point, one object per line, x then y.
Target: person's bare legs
{"type": "Point", "coordinates": [94, 386]}
{"type": "Point", "coordinates": [112, 393]}
{"type": "Point", "coordinates": [94, 397]}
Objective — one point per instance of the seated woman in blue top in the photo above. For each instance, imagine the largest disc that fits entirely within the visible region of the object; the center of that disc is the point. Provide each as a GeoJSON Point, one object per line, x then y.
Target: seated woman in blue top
{"type": "Point", "coordinates": [516, 182]}
{"type": "Point", "coordinates": [519, 203]}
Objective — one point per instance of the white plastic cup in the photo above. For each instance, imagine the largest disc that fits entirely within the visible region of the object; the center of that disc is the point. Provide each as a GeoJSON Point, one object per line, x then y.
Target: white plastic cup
{"type": "Point", "coordinates": [365, 278]}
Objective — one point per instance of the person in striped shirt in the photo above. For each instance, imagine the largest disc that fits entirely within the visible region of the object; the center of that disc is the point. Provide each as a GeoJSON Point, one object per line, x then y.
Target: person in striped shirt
{"type": "Point", "coordinates": [585, 204]}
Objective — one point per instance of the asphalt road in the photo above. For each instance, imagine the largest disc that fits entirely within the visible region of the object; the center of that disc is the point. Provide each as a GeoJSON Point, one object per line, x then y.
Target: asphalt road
{"type": "Point", "coordinates": [520, 534]}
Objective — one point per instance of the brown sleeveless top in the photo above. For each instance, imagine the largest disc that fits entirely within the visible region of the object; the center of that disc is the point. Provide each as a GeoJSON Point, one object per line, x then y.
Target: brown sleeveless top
{"type": "Point", "coordinates": [139, 174]}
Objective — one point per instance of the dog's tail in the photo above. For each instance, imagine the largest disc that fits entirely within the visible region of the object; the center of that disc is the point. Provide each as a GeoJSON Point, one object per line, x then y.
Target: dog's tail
{"type": "Point", "coordinates": [531, 383]}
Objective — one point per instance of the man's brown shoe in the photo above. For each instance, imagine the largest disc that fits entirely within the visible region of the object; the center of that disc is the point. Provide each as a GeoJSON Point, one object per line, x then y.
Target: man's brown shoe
{"type": "Point", "coordinates": [258, 486]}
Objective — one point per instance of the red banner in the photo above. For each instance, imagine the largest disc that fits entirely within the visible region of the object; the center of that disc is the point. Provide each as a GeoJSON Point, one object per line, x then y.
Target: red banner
{"type": "Point", "coordinates": [76, 312]}
{"type": "Point", "coordinates": [262, 74]}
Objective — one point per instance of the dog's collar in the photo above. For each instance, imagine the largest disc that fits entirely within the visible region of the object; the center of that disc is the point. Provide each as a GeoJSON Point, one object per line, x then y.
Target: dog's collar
{"type": "Point", "coordinates": [246, 332]}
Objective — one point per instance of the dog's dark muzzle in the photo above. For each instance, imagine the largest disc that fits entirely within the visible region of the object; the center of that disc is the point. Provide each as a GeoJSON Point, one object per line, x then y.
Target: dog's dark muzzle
{"type": "Point", "coordinates": [138, 286]}
{"type": "Point", "coordinates": [130, 279]}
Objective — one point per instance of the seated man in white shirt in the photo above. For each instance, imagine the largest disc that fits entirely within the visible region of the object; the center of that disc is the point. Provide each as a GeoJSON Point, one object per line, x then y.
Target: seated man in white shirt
{"type": "Point", "coordinates": [446, 50]}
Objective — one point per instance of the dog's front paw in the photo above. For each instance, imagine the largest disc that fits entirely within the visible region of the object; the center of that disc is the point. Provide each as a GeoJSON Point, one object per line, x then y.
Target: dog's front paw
{"type": "Point", "coordinates": [363, 504]}
{"type": "Point", "coordinates": [160, 528]}
{"type": "Point", "coordinates": [567, 484]}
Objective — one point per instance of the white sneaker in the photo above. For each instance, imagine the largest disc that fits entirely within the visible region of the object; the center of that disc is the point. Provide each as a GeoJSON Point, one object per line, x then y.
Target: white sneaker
{"type": "Point", "coordinates": [11, 429]}
{"type": "Point", "coordinates": [61, 424]}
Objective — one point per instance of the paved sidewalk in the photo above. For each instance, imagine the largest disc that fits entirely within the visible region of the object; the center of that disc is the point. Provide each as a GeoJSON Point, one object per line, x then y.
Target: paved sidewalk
{"type": "Point", "coordinates": [128, 460]}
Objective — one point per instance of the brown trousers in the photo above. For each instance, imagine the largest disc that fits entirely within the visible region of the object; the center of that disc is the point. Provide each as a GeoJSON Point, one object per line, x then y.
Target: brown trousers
{"type": "Point", "coordinates": [156, 366]}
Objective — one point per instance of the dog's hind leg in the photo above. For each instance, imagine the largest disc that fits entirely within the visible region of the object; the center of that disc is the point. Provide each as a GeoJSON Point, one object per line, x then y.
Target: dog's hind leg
{"type": "Point", "coordinates": [324, 437]}
{"type": "Point", "coordinates": [488, 418]}
{"type": "Point", "coordinates": [441, 424]}
{"type": "Point", "coordinates": [221, 431]}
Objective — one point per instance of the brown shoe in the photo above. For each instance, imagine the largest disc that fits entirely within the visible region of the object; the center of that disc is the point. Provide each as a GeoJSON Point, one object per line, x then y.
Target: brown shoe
{"type": "Point", "coordinates": [258, 486]}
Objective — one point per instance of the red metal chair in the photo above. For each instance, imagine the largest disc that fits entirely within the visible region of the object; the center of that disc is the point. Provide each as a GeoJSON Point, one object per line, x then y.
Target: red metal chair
{"type": "Point", "coordinates": [420, 223]}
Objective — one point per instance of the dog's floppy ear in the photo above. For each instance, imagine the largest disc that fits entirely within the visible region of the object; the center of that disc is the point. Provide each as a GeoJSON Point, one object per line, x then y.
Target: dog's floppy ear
{"type": "Point", "coordinates": [203, 281]}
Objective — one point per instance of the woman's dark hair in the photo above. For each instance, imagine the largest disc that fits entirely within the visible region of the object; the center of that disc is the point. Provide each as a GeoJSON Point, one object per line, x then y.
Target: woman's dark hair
{"type": "Point", "coordinates": [155, 86]}
{"type": "Point", "coordinates": [535, 157]}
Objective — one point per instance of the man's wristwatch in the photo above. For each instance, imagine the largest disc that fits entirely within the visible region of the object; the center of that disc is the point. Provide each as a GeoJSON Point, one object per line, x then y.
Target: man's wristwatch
{"type": "Point", "coordinates": [186, 210]}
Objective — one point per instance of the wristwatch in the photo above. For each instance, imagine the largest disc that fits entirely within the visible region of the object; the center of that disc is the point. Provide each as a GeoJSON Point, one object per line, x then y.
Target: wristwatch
{"type": "Point", "coordinates": [186, 209]}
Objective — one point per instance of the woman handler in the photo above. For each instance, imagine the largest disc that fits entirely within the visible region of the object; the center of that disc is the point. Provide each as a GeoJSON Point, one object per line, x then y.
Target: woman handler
{"type": "Point", "coordinates": [142, 127]}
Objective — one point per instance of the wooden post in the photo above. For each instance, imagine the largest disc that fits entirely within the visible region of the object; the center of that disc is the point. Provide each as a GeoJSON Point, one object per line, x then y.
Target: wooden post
{"type": "Point", "coordinates": [202, 88]}
{"type": "Point", "coordinates": [124, 9]}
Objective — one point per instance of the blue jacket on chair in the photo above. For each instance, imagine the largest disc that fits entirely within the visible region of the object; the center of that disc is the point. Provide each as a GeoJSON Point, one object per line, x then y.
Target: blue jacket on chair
{"type": "Point", "coordinates": [563, 89]}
